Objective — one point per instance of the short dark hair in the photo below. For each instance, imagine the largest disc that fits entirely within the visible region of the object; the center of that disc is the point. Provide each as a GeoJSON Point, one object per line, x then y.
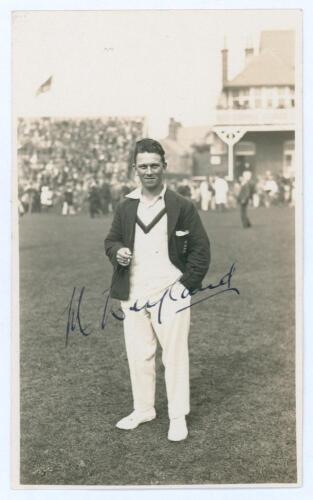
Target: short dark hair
{"type": "Point", "coordinates": [148, 146]}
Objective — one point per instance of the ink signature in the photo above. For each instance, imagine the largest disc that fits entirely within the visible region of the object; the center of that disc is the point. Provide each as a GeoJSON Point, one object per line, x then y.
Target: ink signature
{"type": "Point", "coordinates": [74, 319]}
{"type": "Point", "coordinates": [168, 293]}
{"type": "Point", "coordinates": [73, 316]}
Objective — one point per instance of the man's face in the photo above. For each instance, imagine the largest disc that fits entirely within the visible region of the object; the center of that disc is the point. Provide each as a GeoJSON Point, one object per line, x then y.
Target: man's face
{"type": "Point", "coordinates": [150, 169]}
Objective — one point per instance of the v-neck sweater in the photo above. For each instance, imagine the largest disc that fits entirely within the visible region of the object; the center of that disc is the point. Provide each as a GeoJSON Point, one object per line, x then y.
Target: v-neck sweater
{"type": "Point", "coordinates": [151, 270]}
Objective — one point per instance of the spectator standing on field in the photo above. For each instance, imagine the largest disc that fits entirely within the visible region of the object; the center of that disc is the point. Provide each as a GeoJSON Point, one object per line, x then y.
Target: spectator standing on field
{"type": "Point", "coordinates": [212, 203]}
{"type": "Point", "coordinates": [221, 190]}
{"type": "Point", "coordinates": [270, 189]}
{"type": "Point", "coordinates": [183, 189]}
{"type": "Point", "coordinates": [94, 201]}
{"type": "Point", "coordinates": [68, 206]}
{"type": "Point", "coordinates": [46, 197]}
{"type": "Point", "coordinates": [205, 195]}
{"type": "Point", "coordinates": [105, 197]}
{"type": "Point", "coordinates": [244, 196]}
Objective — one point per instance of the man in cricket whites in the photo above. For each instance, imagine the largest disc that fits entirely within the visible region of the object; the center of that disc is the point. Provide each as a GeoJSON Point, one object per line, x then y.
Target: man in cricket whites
{"type": "Point", "coordinates": [160, 254]}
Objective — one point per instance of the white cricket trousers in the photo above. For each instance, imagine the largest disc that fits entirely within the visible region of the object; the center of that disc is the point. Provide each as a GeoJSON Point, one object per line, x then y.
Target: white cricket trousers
{"type": "Point", "coordinates": [141, 330]}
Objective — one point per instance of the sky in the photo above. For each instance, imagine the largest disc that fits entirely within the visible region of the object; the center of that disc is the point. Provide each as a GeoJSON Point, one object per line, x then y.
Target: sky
{"type": "Point", "coordinates": [157, 64]}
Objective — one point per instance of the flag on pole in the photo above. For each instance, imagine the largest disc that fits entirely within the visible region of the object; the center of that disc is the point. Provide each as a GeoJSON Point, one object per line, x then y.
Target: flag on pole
{"type": "Point", "coordinates": [45, 86]}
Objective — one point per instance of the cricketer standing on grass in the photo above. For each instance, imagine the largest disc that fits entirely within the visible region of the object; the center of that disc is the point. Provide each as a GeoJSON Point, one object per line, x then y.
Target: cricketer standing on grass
{"type": "Point", "coordinates": [157, 244]}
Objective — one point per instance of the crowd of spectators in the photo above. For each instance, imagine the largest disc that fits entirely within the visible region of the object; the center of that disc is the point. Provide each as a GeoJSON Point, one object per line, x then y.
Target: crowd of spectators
{"type": "Point", "coordinates": [75, 165]}
{"type": "Point", "coordinates": [216, 193]}
{"type": "Point", "coordinates": [62, 162]}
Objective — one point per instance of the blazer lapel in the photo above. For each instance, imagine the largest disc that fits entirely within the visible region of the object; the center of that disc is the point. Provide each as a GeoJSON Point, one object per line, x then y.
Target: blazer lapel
{"type": "Point", "coordinates": [131, 220]}
{"type": "Point", "coordinates": [173, 209]}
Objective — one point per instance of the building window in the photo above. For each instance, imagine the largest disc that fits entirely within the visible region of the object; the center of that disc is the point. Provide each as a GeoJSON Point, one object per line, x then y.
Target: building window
{"type": "Point", "coordinates": [288, 161]}
{"type": "Point", "coordinates": [292, 95]}
{"type": "Point", "coordinates": [245, 148]}
{"type": "Point", "coordinates": [240, 98]}
{"type": "Point", "coordinates": [261, 97]}
{"type": "Point", "coordinates": [269, 97]}
{"type": "Point", "coordinates": [215, 160]}
{"type": "Point", "coordinates": [281, 97]}
{"type": "Point", "coordinates": [289, 147]}
{"type": "Point", "coordinates": [255, 97]}
{"type": "Point", "coordinates": [289, 157]}
{"type": "Point", "coordinates": [244, 98]}
{"type": "Point", "coordinates": [285, 97]}
{"type": "Point", "coordinates": [234, 99]}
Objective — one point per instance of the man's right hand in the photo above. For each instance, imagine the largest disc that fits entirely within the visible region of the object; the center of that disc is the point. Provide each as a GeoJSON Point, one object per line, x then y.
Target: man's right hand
{"type": "Point", "coordinates": [123, 256]}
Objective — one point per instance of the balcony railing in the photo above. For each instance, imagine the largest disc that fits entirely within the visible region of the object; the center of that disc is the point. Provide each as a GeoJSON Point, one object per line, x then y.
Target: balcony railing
{"type": "Point", "coordinates": [256, 116]}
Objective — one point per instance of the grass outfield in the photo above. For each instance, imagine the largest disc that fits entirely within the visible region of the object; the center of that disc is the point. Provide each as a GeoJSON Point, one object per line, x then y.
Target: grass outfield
{"type": "Point", "coordinates": [242, 355]}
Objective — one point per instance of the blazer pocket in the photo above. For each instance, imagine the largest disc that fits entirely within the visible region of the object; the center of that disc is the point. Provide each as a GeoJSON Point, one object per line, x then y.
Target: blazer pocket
{"type": "Point", "coordinates": [181, 233]}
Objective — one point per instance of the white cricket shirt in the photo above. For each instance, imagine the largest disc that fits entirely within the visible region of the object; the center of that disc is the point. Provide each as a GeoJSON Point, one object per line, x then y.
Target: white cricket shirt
{"type": "Point", "coordinates": [151, 270]}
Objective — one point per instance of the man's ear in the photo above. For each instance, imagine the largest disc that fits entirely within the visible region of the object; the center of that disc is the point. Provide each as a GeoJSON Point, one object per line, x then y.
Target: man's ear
{"type": "Point", "coordinates": [164, 165]}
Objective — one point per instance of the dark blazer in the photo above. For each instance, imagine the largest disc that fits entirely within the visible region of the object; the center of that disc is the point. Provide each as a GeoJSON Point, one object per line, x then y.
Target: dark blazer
{"type": "Point", "coordinates": [189, 253]}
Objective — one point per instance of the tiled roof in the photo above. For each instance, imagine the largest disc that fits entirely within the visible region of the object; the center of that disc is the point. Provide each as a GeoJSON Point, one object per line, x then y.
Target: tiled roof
{"type": "Point", "coordinates": [280, 42]}
{"type": "Point", "coordinates": [273, 65]}
{"type": "Point", "coordinates": [187, 136]}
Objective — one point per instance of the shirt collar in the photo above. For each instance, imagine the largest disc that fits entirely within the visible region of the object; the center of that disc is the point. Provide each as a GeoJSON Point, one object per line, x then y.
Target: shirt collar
{"type": "Point", "coordinates": [136, 194]}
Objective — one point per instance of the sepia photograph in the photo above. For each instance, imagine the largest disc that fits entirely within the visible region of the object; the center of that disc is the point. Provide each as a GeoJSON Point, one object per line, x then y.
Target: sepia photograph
{"type": "Point", "coordinates": [157, 180]}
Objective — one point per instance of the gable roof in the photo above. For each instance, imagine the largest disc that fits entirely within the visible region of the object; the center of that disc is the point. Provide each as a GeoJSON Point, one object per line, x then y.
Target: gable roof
{"type": "Point", "coordinates": [172, 147]}
{"type": "Point", "coordinates": [273, 65]}
{"type": "Point", "coordinates": [187, 136]}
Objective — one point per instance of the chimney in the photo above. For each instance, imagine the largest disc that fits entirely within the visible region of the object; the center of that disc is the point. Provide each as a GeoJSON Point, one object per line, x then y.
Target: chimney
{"type": "Point", "coordinates": [173, 128]}
{"type": "Point", "coordinates": [249, 51]}
{"type": "Point", "coordinates": [224, 64]}
{"type": "Point", "coordinates": [249, 54]}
